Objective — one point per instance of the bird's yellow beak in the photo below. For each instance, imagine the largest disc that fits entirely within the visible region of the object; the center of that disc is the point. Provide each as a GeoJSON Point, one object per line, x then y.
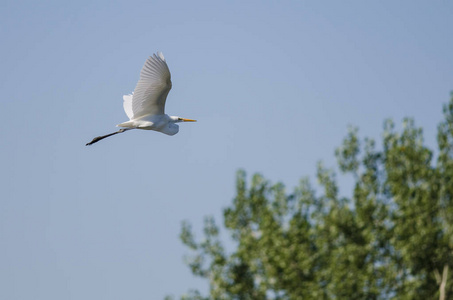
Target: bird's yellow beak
{"type": "Point", "coordinates": [188, 120]}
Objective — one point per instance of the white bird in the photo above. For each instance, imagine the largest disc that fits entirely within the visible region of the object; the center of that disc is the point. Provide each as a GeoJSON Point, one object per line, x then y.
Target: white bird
{"type": "Point", "coordinates": [145, 107]}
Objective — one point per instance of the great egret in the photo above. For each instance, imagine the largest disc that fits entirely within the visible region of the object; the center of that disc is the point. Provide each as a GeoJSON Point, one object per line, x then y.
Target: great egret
{"type": "Point", "coordinates": [145, 107]}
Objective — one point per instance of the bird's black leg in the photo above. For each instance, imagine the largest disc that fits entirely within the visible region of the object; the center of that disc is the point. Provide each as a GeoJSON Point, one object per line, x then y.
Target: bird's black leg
{"type": "Point", "coordinates": [98, 138]}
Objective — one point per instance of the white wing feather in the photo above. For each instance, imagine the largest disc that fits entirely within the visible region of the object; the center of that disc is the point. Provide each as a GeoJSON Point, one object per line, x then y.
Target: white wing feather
{"type": "Point", "coordinates": [127, 105]}
{"type": "Point", "coordinates": [151, 91]}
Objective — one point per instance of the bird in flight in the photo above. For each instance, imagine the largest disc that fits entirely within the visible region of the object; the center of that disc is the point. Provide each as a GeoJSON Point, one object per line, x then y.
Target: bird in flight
{"type": "Point", "coordinates": [145, 107]}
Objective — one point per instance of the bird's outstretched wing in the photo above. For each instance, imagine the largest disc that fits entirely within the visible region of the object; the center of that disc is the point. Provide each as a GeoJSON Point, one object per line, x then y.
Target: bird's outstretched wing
{"type": "Point", "coordinates": [152, 89]}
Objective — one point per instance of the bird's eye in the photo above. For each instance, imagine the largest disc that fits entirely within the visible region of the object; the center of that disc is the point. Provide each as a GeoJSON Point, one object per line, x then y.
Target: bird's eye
{"type": "Point", "coordinates": [180, 119]}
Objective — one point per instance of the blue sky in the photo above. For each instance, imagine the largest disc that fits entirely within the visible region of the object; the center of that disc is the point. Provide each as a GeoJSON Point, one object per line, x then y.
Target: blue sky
{"type": "Point", "coordinates": [273, 85]}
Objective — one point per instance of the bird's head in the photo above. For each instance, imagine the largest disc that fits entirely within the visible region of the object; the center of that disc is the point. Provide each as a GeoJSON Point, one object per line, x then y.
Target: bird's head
{"type": "Point", "coordinates": [179, 119]}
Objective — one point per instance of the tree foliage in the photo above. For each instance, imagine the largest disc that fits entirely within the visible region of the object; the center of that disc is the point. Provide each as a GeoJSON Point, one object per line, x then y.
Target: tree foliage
{"type": "Point", "coordinates": [392, 239]}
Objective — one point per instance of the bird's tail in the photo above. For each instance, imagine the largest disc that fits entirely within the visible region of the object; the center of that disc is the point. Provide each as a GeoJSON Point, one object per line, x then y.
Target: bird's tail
{"type": "Point", "coordinates": [129, 124]}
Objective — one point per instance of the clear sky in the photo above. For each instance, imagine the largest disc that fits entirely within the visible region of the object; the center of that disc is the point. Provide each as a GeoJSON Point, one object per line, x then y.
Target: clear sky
{"type": "Point", "coordinates": [273, 85]}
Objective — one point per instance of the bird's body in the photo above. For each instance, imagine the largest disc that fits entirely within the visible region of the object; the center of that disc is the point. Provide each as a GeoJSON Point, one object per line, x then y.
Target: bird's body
{"type": "Point", "coordinates": [145, 107]}
{"type": "Point", "coordinates": [162, 123]}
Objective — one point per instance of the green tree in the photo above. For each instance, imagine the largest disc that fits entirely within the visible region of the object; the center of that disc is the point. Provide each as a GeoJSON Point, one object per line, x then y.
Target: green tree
{"type": "Point", "coordinates": [392, 239]}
